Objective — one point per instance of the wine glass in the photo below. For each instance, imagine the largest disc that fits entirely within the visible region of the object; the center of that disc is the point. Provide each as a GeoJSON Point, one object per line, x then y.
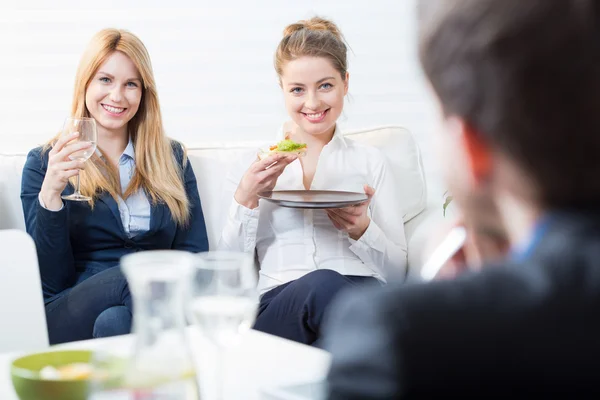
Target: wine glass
{"type": "Point", "coordinates": [224, 300]}
{"type": "Point", "coordinates": [87, 133]}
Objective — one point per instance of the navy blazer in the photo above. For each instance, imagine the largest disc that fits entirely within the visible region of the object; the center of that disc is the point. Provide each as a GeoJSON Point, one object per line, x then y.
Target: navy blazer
{"type": "Point", "coordinates": [78, 242]}
{"type": "Point", "coordinates": [525, 328]}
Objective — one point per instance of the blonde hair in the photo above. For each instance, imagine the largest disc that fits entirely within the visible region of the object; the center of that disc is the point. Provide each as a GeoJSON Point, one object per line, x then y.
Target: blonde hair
{"type": "Point", "coordinates": [316, 37]}
{"type": "Point", "coordinates": [157, 172]}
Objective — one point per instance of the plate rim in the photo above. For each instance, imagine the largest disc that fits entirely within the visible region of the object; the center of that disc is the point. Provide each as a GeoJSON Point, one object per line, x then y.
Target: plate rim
{"type": "Point", "coordinates": [307, 204]}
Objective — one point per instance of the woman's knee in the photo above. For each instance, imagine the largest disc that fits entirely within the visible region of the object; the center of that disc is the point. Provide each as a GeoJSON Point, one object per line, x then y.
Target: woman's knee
{"type": "Point", "coordinates": [117, 282]}
{"type": "Point", "coordinates": [112, 322]}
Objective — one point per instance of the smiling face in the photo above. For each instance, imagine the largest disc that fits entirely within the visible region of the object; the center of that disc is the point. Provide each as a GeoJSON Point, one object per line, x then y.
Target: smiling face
{"type": "Point", "coordinates": [314, 93]}
{"type": "Point", "coordinates": [114, 94]}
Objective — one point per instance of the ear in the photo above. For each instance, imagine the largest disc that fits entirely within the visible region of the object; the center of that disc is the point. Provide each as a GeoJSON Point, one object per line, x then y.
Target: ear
{"type": "Point", "coordinates": [477, 152]}
{"type": "Point", "coordinates": [346, 83]}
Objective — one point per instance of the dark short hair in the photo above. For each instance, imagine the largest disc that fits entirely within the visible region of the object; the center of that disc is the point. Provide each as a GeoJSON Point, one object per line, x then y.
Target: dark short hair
{"type": "Point", "coordinates": [525, 74]}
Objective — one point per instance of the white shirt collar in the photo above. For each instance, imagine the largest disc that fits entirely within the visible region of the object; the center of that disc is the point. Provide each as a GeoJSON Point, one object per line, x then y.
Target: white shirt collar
{"type": "Point", "coordinates": [129, 150]}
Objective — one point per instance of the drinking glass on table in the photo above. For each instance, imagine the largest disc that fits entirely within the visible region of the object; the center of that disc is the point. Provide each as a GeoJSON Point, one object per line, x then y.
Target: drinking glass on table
{"type": "Point", "coordinates": [86, 127]}
{"type": "Point", "coordinates": [223, 301]}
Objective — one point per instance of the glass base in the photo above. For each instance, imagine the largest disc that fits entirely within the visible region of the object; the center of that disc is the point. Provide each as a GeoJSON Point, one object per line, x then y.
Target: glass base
{"type": "Point", "coordinates": [76, 197]}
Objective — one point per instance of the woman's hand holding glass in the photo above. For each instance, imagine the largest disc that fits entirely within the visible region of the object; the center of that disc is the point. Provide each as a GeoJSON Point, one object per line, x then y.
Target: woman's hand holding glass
{"type": "Point", "coordinates": [60, 168]}
{"type": "Point", "coordinates": [261, 177]}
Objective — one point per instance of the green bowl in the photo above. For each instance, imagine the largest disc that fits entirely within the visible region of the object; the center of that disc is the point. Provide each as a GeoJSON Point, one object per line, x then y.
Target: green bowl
{"type": "Point", "coordinates": [30, 386]}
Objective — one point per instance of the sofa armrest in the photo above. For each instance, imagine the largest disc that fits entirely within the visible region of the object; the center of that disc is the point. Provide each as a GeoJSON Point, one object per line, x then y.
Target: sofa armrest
{"type": "Point", "coordinates": [419, 232]}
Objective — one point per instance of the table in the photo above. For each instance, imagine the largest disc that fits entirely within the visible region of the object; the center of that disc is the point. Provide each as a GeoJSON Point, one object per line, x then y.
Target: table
{"type": "Point", "coordinates": [260, 360]}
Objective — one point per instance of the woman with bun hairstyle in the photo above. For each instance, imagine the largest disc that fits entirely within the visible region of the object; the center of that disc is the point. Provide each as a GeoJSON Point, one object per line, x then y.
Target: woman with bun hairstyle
{"type": "Point", "coordinates": [142, 187]}
{"type": "Point", "coordinates": [307, 256]}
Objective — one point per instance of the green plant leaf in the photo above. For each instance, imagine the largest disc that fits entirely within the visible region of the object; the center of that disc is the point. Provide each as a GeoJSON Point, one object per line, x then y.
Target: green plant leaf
{"type": "Point", "coordinates": [447, 203]}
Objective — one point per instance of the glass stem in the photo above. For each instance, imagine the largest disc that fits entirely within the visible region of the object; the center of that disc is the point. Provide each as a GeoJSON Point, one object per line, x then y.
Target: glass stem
{"type": "Point", "coordinates": [78, 192]}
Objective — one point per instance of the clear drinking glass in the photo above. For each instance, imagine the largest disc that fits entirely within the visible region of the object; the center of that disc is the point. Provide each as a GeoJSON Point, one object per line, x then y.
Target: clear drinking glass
{"type": "Point", "coordinates": [224, 300]}
{"type": "Point", "coordinates": [88, 132]}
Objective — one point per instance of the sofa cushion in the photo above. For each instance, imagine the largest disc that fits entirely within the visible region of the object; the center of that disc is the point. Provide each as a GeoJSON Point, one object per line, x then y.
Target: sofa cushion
{"type": "Point", "coordinates": [404, 157]}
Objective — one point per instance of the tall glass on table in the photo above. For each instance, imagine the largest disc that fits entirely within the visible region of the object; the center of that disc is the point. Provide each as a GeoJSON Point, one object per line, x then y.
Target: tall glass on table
{"type": "Point", "coordinates": [224, 301]}
{"type": "Point", "coordinates": [88, 132]}
{"type": "Point", "coordinates": [161, 365]}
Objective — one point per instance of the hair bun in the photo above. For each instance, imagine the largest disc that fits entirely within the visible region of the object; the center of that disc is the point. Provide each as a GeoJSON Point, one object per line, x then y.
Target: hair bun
{"type": "Point", "coordinates": [313, 24]}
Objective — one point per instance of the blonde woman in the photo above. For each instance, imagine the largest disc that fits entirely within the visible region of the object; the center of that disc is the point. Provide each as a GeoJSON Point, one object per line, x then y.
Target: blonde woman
{"type": "Point", "coordinates": [307, 256]}
{"type": "Point", "coordinates": [143, 190]}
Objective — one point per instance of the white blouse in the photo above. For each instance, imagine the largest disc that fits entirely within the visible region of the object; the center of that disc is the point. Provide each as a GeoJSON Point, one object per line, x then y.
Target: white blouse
{"type": "Point", "coordinates": [290, 243]}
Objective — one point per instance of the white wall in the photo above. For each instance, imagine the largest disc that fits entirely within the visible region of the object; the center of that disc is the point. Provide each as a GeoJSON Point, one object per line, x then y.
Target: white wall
{"type": "Point", "coordinates": [213, 65]}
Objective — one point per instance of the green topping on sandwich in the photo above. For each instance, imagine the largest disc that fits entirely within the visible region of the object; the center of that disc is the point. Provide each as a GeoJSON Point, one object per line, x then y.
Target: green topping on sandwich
{"type": "Point", "coordinates": [290, 145]}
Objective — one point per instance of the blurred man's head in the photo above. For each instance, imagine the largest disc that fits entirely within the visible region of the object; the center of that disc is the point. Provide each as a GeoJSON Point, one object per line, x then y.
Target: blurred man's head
{"type": "Point", "coordinates": [518, 82]}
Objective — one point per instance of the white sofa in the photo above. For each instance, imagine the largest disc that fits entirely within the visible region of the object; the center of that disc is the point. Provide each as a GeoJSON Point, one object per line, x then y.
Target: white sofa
{"type": "Point", "coordinates": [211, 161]}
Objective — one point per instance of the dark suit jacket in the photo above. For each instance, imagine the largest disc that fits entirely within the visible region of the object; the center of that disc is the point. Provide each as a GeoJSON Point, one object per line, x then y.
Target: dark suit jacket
{"type": "Point", "coordinates": [78, 242]}
{"type": "Point", "coordinates": [519, 329]}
